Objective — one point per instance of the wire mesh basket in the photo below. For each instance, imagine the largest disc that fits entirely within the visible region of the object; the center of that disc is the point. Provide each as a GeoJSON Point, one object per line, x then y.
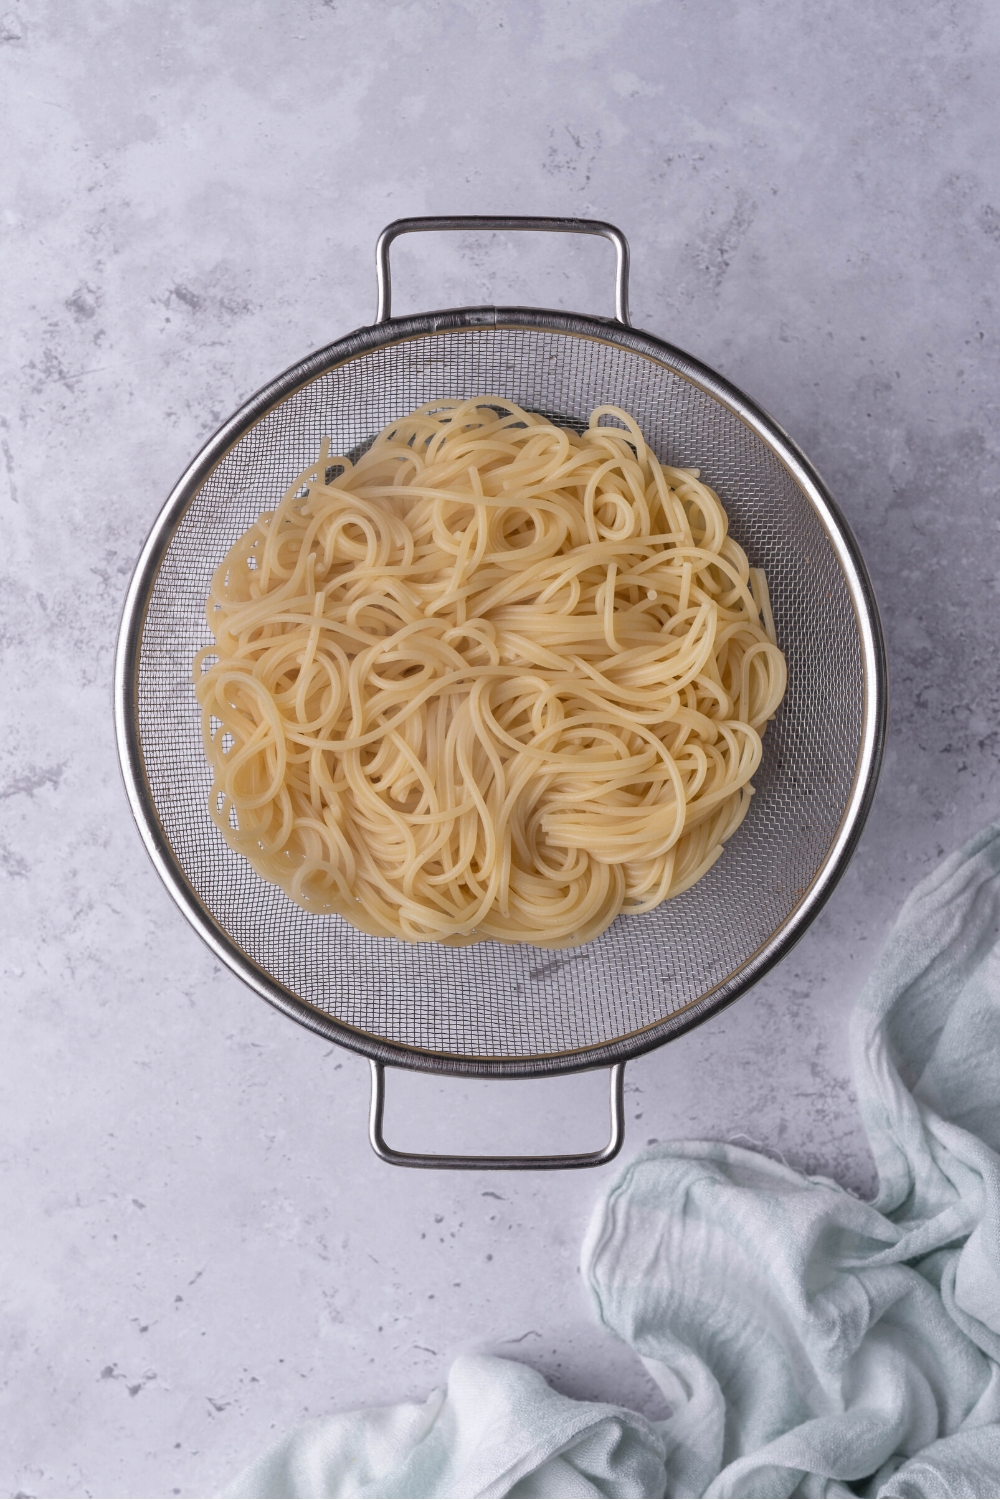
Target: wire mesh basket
{"type": "Point", "coordinates": [496, 1009]}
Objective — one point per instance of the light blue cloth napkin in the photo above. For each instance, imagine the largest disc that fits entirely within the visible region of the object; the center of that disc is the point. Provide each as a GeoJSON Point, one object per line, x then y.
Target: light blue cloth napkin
{"type": "Point", "coordinates": [808, 1343]}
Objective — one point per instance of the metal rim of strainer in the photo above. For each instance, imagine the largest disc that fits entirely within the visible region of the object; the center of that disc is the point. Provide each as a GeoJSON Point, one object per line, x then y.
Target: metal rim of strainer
{"type": "Point", "coordinates": [386, 331]}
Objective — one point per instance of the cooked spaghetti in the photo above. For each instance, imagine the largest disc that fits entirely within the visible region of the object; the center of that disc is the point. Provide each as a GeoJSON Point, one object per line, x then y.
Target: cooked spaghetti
{"type": "Point", "coordinates": [492, 679]}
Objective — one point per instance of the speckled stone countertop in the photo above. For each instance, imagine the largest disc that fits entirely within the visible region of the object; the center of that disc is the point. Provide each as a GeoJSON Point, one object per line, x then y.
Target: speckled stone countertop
{"type": "Point", "coordinates": [197, 1247]}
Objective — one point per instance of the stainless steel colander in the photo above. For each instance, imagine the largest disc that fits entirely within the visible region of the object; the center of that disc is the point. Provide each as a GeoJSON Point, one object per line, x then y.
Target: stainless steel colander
{"type": "Point", "coordinates": [494, 1009]}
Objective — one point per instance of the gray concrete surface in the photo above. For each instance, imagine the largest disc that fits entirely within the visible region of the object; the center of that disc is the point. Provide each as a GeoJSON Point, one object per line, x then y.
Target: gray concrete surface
{"type": "Point", "coordinates": [197, 1247]}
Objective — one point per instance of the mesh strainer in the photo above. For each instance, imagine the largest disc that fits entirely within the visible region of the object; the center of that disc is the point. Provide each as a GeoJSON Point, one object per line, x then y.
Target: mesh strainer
{"type": "Point", "coordinates": [494, 1009]}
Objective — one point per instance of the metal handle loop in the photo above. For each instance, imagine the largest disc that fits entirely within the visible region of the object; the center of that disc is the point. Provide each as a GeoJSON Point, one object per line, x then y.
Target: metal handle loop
{"type": "Point", "coordinates": [500, 223]}
{"type": "Point", "coordinates": [497, 1163]}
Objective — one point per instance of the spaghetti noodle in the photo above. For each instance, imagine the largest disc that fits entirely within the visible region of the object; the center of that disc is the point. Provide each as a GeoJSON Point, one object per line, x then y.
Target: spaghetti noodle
{"type": "Point", "coordinates": [493, 679]}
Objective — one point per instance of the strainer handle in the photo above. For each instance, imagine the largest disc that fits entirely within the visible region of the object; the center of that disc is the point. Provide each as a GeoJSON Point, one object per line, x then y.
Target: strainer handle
{"type": "Point", "coordinates": [500, 223]}
{"type": "Point", "coordinates": [497, 1163]}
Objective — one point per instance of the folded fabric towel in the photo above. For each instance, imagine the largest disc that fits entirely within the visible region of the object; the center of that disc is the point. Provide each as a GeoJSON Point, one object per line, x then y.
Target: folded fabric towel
{"type": "Point", "coordinates": [808, 1343]}
{"type": "Point", "coordinates": [500, 1429]}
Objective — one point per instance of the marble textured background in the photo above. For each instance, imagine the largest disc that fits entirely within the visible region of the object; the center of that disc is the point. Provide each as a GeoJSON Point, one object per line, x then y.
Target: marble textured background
{"type": "Point", "coordinates": [197, 1247]}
